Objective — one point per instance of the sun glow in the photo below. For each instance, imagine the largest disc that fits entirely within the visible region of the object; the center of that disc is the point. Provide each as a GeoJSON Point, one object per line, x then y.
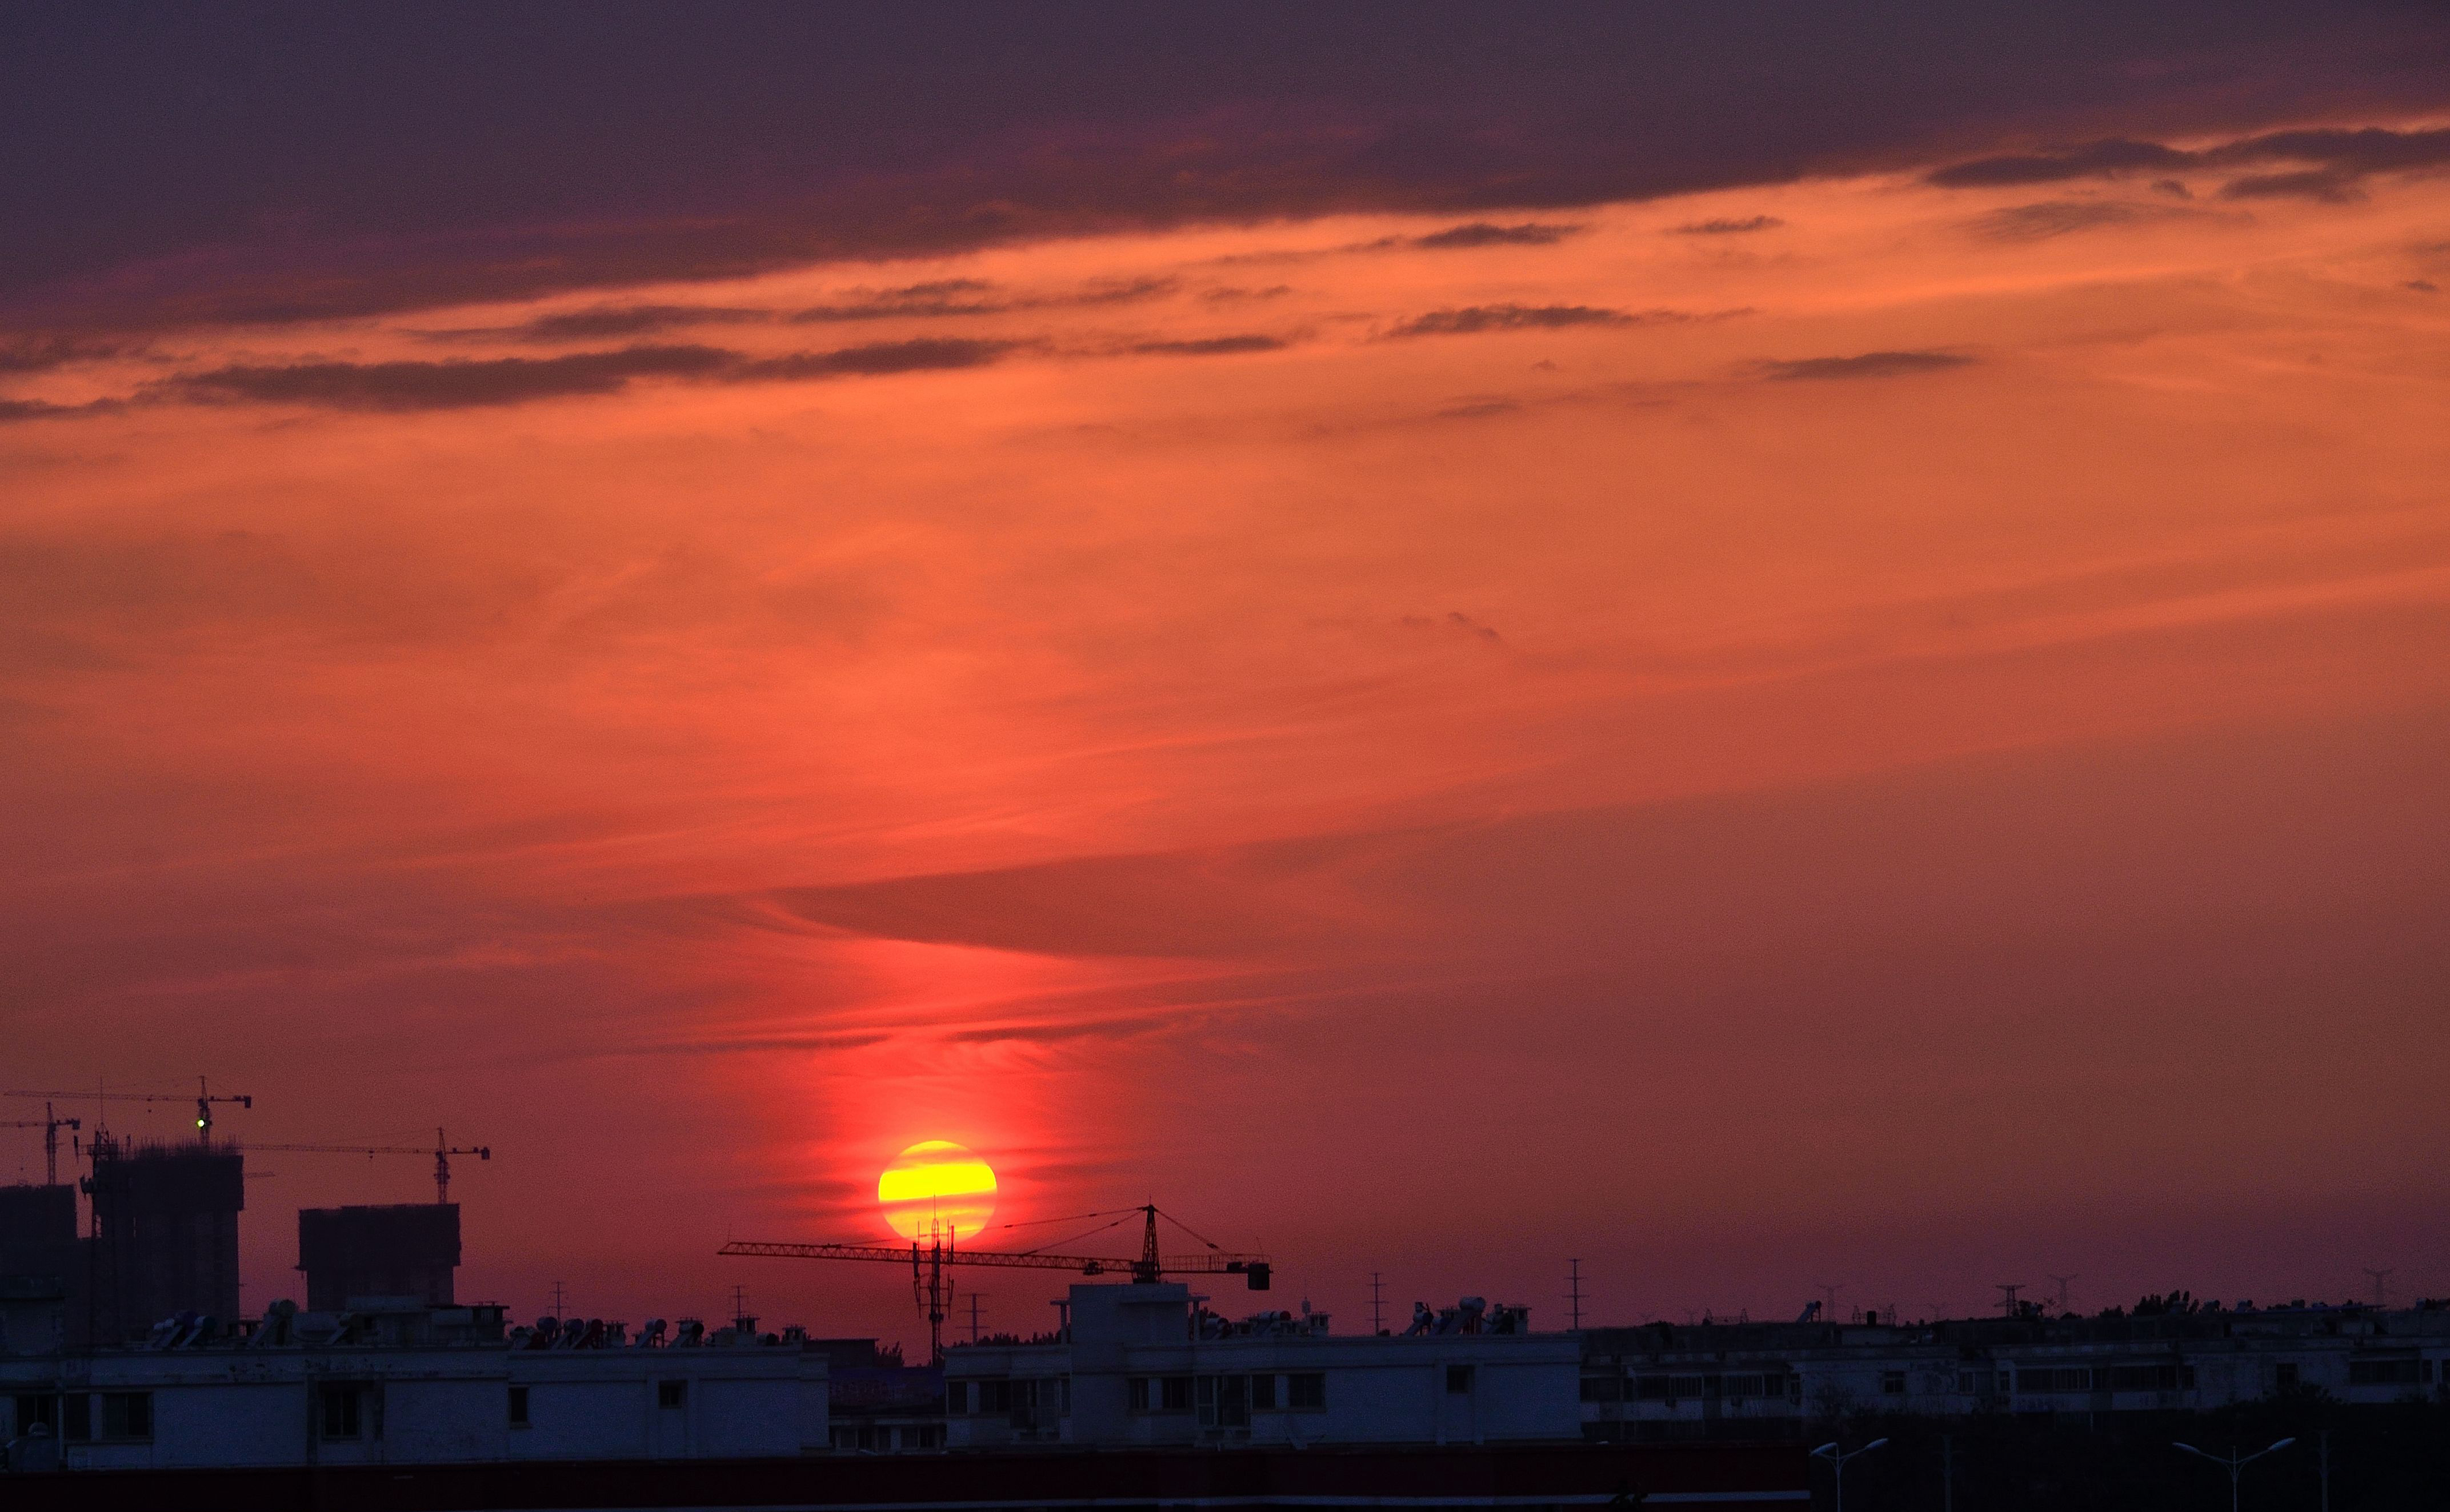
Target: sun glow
{"type": "Point", "coordinates": [937, 1187]}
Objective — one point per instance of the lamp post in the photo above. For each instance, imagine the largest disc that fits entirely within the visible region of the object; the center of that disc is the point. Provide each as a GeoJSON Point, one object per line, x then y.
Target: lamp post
{"type": "Point", "coordinates": [2234, 1462]}
{"type": "Point", "coordinates": [1838, 1467]}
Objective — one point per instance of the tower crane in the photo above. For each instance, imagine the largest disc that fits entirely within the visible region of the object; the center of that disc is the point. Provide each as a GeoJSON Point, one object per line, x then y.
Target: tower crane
{"type": "Point", "coordinates": [50, 1123]}
{"type": "Point", "coordinates": [930, 1259]}
{"type": "Point", "coordinates": [205, 1098]}
{"type": "Point", "coordinates": [442, 1151]}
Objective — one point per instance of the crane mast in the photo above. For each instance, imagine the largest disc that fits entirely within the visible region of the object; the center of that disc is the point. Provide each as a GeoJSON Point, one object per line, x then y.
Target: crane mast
{"type": "Point", "coordinates": [928, 1261]}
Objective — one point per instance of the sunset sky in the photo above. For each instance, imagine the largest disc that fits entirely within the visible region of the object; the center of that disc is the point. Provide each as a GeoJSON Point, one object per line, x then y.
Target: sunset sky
{"type": "Point", "coordinates": [1769, 651]}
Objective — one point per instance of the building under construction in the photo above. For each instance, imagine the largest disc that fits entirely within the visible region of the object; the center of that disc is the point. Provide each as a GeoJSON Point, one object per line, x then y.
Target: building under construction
{"type": "Point", "coordinates": [398, 1250]}
{"type": "Point", "coordinates": [164, 1235]}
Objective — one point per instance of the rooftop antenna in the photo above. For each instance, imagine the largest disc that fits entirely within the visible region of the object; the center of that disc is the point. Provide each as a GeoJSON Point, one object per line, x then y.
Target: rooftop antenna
{"type": "Point", "coordinates": [2063, 1281]}
{"type": "Point", "coordinates": [2381, 1292]}
{"type": "Point", "coordinates": [1574, 1292]}
{"type": "Point", "coordinates": [2008, 1290]}
{"type": "Point", "coordinates": [1828, 1290]}
{"type": "Point", "coordinates": [1377, 1303]}
{"type": "Point", "coordinates": [741, 1321]}
{"type": "Point", "coordinates": [975, 1297]}
{"type": "Point", "coordinates": [560, 1300]}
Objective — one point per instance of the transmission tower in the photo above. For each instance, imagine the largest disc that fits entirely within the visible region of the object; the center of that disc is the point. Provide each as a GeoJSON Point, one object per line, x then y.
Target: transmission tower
{"type": "Point", "coordinates": [2063, 1281]}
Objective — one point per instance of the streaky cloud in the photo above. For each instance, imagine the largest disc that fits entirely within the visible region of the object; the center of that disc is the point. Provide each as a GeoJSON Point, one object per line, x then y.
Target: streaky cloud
{"type": "Point", "coordinates": [879, 358]}
{"type": "Point", "coordinates": [455, 384]}
{"type": "Point", "coordinates": [632, 320]}
{"type": "Point", "coordinates": [1729, 226]}
{"type": "Point", "coordinates": [1863, 365]}
{"type": "Point", "coordinates": [1474, 320]}
{"type": "Point", "coordinates": [1212, 346]}
{"type": "Point", "coordinates": [2045, 218]}
{"type": "Point", "coordinates": [1485, 232]}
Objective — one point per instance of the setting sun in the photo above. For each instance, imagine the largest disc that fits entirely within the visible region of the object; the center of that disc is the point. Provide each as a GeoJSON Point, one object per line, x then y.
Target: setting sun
{"type": "Point", "coordinates": [937, 1187]}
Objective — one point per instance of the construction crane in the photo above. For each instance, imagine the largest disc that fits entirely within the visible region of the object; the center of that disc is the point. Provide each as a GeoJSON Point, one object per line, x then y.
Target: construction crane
{"type": "Point", "coordinates": [50, 1123]}
{"type": "Point", "coordinates": [930, 1259]}
{"type": "Point", "coordinates": [205, 1098]}
{"type": "Point", "coordinates": [442, 1151]}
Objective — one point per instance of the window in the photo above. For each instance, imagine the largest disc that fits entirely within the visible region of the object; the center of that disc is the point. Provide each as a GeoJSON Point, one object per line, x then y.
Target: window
{"type": "Point", "coordinates": [957, 1398]}
{"type": "Point", "coordinates": [1224, 1401]}
{"type": "Point", "coordinates": [1136, 1388]}
{"type": "Point", "coordinates": [2145, 1377]}
{"type": "Point", "coordinates": [994, 1397]}
{"type": "Point", "coordinates": [518, 1406]}
{"type": "Point", "coordinates": [2059, 1378]}
{"type": "Point", "coordinates": [2385, 1373]}
{"type": "Point", "coordinates": [1893, 1383]}
{"type": "Point", "coordinates": [1608, 1388]}
{"type": "Point", "coordinates": [1175, 1393]}
{"type": "Point", "coordinates": [76, 1417]}
{"type": "Point", "coordinates": [128, 1414]}
{"type": "Point", "coordinates": [340, 1412]}
{"type": "Point", "coordinates": [1306, 1391]}
{"type": "Point", "coordinates": [1263, 1394]}
{"type": "Point", "coordinates": [2284, 1376]}
{"type": "Point", "coordinates": [672, 1393]}
{"type": "Point", "coordinates": [1458, 1379]}
{"type": "Point", "coordinates": [33, 1409]}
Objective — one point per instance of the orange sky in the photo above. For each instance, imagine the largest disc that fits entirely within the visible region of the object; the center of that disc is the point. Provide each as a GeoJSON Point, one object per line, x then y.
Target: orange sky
{"type": "Point", "coordinates": [1850, 732]}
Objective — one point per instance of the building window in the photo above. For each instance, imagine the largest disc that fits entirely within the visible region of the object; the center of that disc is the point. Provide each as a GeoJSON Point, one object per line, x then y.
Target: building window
{"type": "Point", "coordinates": [957, 1398]}
{"type": "Point", "coordinates": [1458, 1379]}
{"type": "Point", "coordinates": [1175, 1393]}
{"type": "Point", "coordinates": [1136, 1388]}
{"type": "Point", "coordinates": [994, 1397]}
{"type": "Point", "coordinates": [2385, 1373]}
{"type": "Point", "coordinates": [76, 1417]}
{"type": "Point", "coordinates": [1263, 1394]}
{"type": "Point", "coordinates": [33, 1408]}
{"type": "Point", "coordinates": [518, 1406]}
{"type": "Point", "coordinates": [2284, 1376]}
{"type": "Point", "coordinates": [340, 1419]}
{"type": "Point", "coordinates": [672, 1393]}
{"type": "Point", "coordinates": [1224, 1401]}
{"type": "Point", "coordinates": [1306, 1391]}
{"type": "Point", "coordinates": [128, 1414]}
{"type": "Point", "coordinates": [1893, 1383]}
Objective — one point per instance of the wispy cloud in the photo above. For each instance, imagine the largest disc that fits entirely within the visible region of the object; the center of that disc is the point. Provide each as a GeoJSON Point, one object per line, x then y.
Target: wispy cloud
{"type": "Point", "coordinates": [880, 359]}
{"type": "Point", "coordinates": [1729, 228]}
{"type": "Point", "coordinates": [2049, 218]}
{"type": "Point", "coordinates": [943, 298]}
{"type": "Point", "coordinates": [457, 384]}
{"type": "Point", "coordinates": [1474, 320]}
{"type": "Point", "coordinates": [2337, 161]}
{"type": "Point", "coordinates": [1863, 365]}
{"type": "Point", "coordinates": [634, 319]}
{"type": "Point", "coordinates": [1212, 346]}
{"type": "Point", "coordinates": [1485, 232]}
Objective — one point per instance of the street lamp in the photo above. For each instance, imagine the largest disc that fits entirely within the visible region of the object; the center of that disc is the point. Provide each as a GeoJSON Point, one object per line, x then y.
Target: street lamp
{"type": "Point", "coordinates": [1837, 1466]}
{"type": "Point", "coordinates": [2234, 1462]}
